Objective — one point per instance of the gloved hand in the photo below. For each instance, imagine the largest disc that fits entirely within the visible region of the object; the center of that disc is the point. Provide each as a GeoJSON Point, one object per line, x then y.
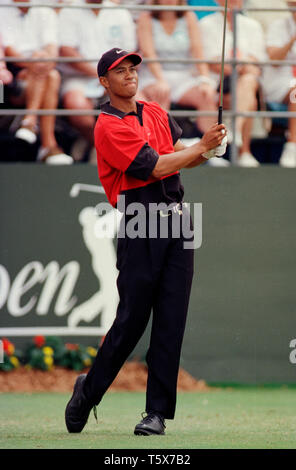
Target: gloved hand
{"type": "Point", "coordinates": [217, 151]}
{"type": "Point", "coordinates": [221, 149]}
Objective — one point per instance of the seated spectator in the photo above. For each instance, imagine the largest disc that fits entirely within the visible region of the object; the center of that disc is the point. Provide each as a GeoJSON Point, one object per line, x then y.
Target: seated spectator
{"type": "Point", "coordinates": [135, 13]}
{"type": "Point", "coordinates": [175, 35]}
{"type": "Point", "coordinates": [251, 47]}
{"type": "Point", "coordinates": [265, 18]}
{"type": "Point", "coordinates": [203, 3]}
{"type": "Point", "coordinates": [4, 13]}
{"type": "Point", "coordinates": [6, 76]}
{"type": "Point", "coordinates": [87, 34]}
{"type": "Point", "coordinates": [32, 33]}
{"type": "Point", "coordinates": [280, 81]}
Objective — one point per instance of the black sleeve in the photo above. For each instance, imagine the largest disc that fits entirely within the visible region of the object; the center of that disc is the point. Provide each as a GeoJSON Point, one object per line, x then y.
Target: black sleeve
{"type": "Point", "coordinates": [176, 130]}
{"type": "Point", "coordinates": [144, 163]}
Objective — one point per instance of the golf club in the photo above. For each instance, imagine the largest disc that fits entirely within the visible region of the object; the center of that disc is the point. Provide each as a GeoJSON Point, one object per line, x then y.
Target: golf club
{"type": "Point", "coordinates": [220, 112]}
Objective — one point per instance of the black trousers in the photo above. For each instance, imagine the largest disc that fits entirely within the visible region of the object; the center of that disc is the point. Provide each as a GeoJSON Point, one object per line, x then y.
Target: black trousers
{"type": "Point", "coordinates": [155, 275]}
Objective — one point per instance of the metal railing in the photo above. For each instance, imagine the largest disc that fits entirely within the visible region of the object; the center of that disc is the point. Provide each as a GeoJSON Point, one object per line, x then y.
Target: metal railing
{"type": "Point", "coordinates": [233, 113]}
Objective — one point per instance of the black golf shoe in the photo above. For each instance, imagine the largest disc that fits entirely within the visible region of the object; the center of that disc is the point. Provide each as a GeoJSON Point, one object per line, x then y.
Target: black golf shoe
{"type": "Point", "coordinates": [78, 409]}
{"type": "Point", "coordinates": [151, 424]}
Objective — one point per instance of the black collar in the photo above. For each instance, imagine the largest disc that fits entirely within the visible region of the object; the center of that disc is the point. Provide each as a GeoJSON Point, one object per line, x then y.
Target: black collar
{"type": "Point", "coordinates": [108, 109]}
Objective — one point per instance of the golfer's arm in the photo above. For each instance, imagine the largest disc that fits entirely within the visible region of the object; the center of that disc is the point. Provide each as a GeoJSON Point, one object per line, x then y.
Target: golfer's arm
{"type": "Point", "coordinates": [199, 159]}
{"type": "Point", "coordinates": [183, 157]}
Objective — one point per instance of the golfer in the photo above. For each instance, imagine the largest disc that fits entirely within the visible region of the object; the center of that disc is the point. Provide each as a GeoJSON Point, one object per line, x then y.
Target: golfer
{"type": "Point", "coordinates": [139, 157]}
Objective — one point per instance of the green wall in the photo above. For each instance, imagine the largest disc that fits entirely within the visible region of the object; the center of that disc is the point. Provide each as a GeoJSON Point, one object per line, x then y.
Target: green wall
{"type": "Point", "coordinates": [242, 310]}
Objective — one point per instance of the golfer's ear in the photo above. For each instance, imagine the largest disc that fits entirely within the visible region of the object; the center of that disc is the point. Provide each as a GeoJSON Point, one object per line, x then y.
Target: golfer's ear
{"type": "Point", "coordinates": [104, 81]}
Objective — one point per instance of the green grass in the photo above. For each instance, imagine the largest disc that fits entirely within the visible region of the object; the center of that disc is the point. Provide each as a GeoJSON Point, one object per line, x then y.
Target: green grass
{"type": "Point", "coordinates": [248, 418]}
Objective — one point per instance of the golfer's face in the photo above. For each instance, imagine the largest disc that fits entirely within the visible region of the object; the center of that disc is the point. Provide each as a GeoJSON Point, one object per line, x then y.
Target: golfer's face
{"type": "Point", "coordinates": [123, 79]}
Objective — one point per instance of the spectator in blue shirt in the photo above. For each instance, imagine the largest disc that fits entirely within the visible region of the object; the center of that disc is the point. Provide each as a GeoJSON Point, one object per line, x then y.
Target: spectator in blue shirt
{"type": "Point", "coordinates": [203, 3]}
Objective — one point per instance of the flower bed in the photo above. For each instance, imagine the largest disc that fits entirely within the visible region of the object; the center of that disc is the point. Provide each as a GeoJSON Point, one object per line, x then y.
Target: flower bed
{"type": "Point", "coordinates": [46, 352]}
{"type": "Point", "coordinates": [48, 365]}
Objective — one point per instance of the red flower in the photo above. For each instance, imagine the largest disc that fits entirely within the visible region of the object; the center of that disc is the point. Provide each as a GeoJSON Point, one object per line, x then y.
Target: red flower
{"type": "Point", "coordinates": [72, 347]}
{"type": "Point", "coordinates": [8, 347]}
{"type": "Point", "coordinates": [39, 341]}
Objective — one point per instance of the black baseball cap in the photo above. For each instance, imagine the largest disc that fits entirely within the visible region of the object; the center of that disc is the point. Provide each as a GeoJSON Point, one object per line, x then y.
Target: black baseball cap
{"type": "Point", "coordinates": [113, 57]}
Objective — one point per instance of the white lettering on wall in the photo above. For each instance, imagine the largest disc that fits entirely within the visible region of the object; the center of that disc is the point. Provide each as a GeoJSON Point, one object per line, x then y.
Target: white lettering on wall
{"type": "Point", "coordinates": [53, 276]}
{"type": "Point", "coordinates": [55, 281]}
{"type": "Point", "coordinates": [4, 285]}
{"type": "Point", "coordinates": [28, 277]}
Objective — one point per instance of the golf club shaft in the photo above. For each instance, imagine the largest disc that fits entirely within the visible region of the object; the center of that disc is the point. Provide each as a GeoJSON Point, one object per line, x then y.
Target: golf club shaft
{"type": "Point", "coordinates": [220, 112]}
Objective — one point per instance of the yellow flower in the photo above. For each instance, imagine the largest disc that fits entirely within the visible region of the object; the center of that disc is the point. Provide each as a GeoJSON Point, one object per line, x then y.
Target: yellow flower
{"type": "Point", "coordinates": [14, 361]}
{"type": "Point", "coordinates": [91, 351]}
{"type": "Point", "coordinates": [48, 360]}
{"type": "Point", "coordinates": [48, 351]}
{"type": "Point", "coordinates": [87, 362]}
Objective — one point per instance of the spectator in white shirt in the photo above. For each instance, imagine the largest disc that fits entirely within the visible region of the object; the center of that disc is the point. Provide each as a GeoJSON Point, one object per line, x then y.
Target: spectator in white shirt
{"type": "Point", "coordinates": [6, 76]}
{"type": "Point", "coordinates": [32, 33]}
{"type": "Point", "coordinates": [265, 18]}
{"type": "Point", "coordinates": [135, 13]}
{"type": "Point", "coordinates": [86, 34]}
{"type": "Point", "coordinates": [280, 81]}
{"type": "Point", "coordinates": [175, 35]}
{"type": "Point", "coordinates": [251, 46]}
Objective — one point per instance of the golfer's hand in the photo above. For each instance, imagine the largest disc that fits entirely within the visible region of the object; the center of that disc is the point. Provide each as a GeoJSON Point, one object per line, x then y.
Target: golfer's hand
{"type": "Point", "coordinates": [221, 149]}
{"type": "Point", "coordinates": [212, 139]}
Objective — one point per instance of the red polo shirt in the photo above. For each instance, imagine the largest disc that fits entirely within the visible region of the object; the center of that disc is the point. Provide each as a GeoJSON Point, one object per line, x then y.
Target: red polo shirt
{"type": "Point", "coordinates": [128, 147]}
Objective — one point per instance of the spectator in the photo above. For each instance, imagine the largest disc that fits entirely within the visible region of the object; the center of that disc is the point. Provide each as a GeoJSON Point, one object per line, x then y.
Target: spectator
{"type": "Point", "coordinates": [175, 35]}
{"type": "Point", "coordinates": [135, 13]}
{"type": "Point", "coordinates": [87, 34]}
{"type": "Point", "coordinates": [32, 33]}
{"type": "Point", "coordinates": [280, 81]}
{"type": "Point", "coordinates": [203, 3]}
{"type": "Point", "coordinates": [265, 18]}
{"type": "Point", "coordinates": [6, 76]}
{"type": "Point", "coordinates": [251, 47]}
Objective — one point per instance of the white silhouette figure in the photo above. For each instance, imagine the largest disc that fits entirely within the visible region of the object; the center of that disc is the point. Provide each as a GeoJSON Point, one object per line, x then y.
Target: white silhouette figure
{"type": "Point", "coordinates": [102, 251]}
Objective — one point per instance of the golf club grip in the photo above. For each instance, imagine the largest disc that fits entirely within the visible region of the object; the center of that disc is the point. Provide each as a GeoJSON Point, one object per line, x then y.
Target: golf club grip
{"type": "Point", "coordinates": [220, 113]}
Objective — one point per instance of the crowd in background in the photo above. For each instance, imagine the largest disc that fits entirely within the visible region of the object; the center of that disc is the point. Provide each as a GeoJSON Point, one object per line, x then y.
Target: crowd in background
{"type": "Point", "coordinates": [85, 33]}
